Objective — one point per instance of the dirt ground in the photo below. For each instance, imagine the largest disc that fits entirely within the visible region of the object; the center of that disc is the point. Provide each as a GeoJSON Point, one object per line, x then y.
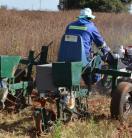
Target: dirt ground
{"type": "Point", "coordinates": [21, 125]}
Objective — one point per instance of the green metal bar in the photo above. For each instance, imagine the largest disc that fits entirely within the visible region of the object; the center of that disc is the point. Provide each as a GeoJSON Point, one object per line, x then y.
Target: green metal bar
{"type": "Point", "coordinates": [82, 93]}
{"type": "Point", "coordinates": [16, 86]}
{"type": "Point", "coordinates": [111, 72]}
{"type": "Point", "coordinates": [114, 73]}
{"type": "Point", "coordinates": [79, 92]}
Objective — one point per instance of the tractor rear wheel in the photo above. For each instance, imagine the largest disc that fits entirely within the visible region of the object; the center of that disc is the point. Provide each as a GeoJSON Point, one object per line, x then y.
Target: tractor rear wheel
{"type": "Point", "coordinates": [121, 103]}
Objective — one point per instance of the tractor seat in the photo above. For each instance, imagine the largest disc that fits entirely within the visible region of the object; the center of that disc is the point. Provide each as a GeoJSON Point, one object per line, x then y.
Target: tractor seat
{"type": "Point", "coordinates": [72, 49]}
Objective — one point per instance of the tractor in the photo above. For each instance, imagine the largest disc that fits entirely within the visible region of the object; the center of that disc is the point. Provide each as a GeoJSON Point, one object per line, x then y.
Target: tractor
{"type": "Point", "coordinates": [62, 92]}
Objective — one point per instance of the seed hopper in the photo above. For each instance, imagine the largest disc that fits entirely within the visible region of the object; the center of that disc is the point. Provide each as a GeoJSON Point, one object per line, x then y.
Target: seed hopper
{"type": "Point", "coordinates": [16, 79]}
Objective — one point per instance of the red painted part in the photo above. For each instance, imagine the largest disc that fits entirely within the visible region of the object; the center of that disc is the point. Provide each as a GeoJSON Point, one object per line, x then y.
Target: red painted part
{"type": "Point", "coordinates": [129, 46]}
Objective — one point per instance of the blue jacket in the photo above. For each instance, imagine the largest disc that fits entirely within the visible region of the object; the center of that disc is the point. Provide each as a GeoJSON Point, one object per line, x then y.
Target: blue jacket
{"type": "Point", "coordinates": [89, 33]}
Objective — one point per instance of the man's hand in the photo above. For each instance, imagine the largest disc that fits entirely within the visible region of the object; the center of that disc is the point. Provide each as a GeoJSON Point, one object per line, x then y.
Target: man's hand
{"type": "Point", "coordinates": [109, 58]}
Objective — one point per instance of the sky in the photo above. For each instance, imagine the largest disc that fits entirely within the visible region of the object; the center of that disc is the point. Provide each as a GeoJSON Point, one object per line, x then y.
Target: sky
{"type": "Point", "coordinates": [31, 4]}
{"type": "Point", "coordinates": [131, 9]}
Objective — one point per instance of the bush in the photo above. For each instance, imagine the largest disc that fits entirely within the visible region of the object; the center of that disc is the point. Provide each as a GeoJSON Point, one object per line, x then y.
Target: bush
{"type": "Point", "coordinates": [72, 4]}
{"type": "Point", "coordinates": [98, 5]}
{"type": "Point", "coordinates": [105, 5]}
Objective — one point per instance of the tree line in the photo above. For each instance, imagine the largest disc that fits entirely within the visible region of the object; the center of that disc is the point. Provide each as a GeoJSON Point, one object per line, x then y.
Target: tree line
{"type": "Point", "coordinates": [98, 5]}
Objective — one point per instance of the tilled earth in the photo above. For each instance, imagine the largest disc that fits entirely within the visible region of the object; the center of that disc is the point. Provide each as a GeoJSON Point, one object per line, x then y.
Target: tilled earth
{"type": "Point", "coordinates": [21, 125]}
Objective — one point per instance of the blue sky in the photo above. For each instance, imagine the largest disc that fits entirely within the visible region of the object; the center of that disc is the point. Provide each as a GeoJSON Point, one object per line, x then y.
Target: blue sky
{"type": "Point", "coordinates": [31, 4]}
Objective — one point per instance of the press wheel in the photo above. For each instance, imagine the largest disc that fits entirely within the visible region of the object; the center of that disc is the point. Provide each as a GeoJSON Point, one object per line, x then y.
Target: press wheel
{"type": "Point", "coordinates": [121, 103]}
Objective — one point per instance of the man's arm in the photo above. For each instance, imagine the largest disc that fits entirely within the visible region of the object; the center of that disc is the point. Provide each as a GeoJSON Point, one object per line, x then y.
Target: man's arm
{"type": "Point", "coordinates": [99, 41]}
{"type": "Point", "coordinates": [101, 44]}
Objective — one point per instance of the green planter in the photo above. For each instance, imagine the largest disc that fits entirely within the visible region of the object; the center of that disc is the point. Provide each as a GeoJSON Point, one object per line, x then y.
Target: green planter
{"type": "Point", "coordinates": [8, 65]}
{"type": "Point", "coordinates": [66, 73]}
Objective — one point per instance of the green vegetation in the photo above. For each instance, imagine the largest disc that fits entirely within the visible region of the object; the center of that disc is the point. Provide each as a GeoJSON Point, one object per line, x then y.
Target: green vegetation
{"type": "Point", "coordinates": [57, 133]}
{"type": "Point", "coordinates": [99, 5]}
{"type": "Point", "coordinates": [106, 5]}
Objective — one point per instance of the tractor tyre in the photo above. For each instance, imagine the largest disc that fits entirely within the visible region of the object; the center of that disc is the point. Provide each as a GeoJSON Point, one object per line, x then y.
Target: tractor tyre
{"type": "Point", "coordinates": [121, 102]}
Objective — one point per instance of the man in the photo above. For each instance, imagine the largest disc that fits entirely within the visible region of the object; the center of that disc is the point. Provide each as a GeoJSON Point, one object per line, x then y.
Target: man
{"type": "Point", "coordinates": [89, 33]}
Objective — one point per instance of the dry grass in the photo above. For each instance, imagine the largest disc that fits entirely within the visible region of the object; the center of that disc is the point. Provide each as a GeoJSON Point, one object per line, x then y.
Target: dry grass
{"type": "Point", "coordinates": [16, 125]}
{"type": "Point", "coordinates": [22, 31]}
{"type": "Point", "coordinates": [99, 126]}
